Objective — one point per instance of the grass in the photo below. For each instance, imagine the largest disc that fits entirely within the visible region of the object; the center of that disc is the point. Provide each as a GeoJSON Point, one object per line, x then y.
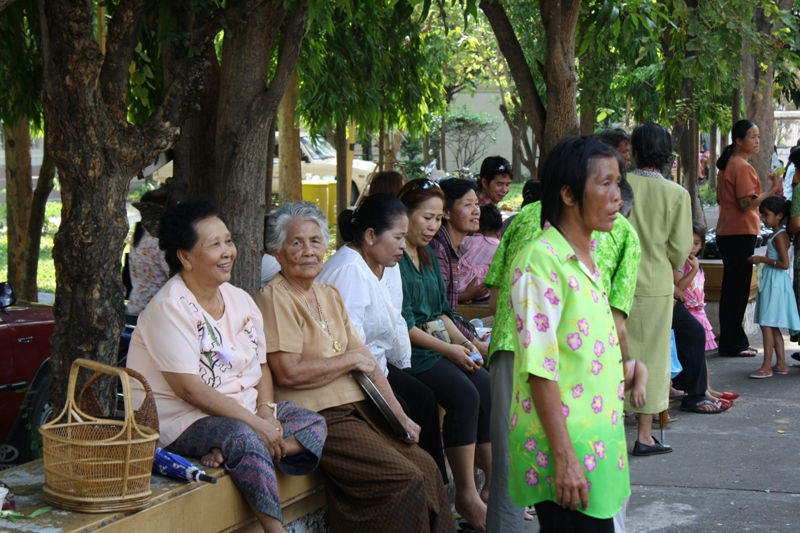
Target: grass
{"type": "Point", "coordinates": [513, 200]}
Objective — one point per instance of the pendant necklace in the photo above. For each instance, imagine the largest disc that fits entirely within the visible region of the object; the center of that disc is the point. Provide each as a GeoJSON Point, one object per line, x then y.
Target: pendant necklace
{"type": "Point", "coordinates": [323, 322]}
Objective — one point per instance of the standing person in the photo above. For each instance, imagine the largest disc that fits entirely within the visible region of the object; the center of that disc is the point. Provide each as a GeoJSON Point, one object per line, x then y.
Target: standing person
{"type": "Point", "coordinates": [441, 357]}
{"type": "Point", "coordinates": [461, 217]}
{"type": "Point", "coordinates": [776, 306]}
{"type": "Point", "coordinates": [567, 440]}
{"type": "Point", "coordinates": [739, 194]}
{"type": "Point", "coordinates": [794, 230]}
{"type": "Point", "coordinates": [665, 246]}
{"type": "Point", "coordinates": [149, 269]}
{"type": "Point", "coordinates": [366, 272]}
{"type": "Point", "coordinates": [618, 139]}
{"type": "Point", "coordinates": [494, 180]}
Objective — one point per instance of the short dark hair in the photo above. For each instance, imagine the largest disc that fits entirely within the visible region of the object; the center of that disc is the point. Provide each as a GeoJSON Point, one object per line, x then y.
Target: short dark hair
{"type": "Point", "coordinates": [651, 145]}
{"type": "Point", "coordinates": [614, 137]}
{"type": "Point", "coordinates": [531, 191]}
{"type": "Point", "coordinates": [493, 166]}
{"type": "Point", "coordinates": [386, 182]}
{"type": "Point", "coordinates": [699, 229]}
{"type": "Point", "coordinates": [178, 231]}
{"type": "Point", "coordinates": [569, 164]}
{"type": "Point", "coordinates": [778, 205]}
{"type": "Point", "coordinates": [491, 219]}
{"type": "Point", "coordinates": [454, 189]}
{"type": "Point", "coordinates": [377, 211]}
{"type": "Point", "coordinates": [794, 157]}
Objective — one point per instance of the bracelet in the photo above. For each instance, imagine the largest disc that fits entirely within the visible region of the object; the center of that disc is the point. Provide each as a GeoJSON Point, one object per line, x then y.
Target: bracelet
{"type": "Point", "coordinates": [271, 405]}
{"type": "Point", "coordinates": [465, 343]}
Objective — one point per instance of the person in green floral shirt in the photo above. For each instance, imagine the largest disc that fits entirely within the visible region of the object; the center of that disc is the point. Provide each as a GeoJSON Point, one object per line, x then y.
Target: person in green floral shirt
{"type": "Point", "coordinates": [617, 256]}
{"type": "Point", "coordinates": [567, 398]}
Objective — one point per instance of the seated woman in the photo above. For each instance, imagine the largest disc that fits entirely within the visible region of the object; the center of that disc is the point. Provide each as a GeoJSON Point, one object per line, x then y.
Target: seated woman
{"type": "Point", "coordinates": [441, 358]}
{"type": "Point", "coordinates": [366, 273]}
{"type": "Point", "coordinates": [461, 217]}
{"type": "Point", "coordinates": [200, 344]}
{"type": "Point", "coordinates": [567, 440]}
{"type": "Point", "coordinates": [373, 480]}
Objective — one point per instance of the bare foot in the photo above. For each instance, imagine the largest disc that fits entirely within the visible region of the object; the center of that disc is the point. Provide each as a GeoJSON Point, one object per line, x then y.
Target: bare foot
{"type": "Point", "coordinates": [713, 395]}
{"type": "Point", "coordinates": [528, 517]}
{"type": "Point", "coordinates": [213, 459]}
{"type": "Point", "coordinates": [472, 509]}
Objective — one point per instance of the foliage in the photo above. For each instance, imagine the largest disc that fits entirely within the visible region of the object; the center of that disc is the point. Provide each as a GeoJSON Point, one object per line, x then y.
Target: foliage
{"type": "Point", "coordinates": [388, 75]}
{"type": "Point", "coordinates": [708, 196]}
{"type": "Point", "coordinates": [467, 134]}
{"type": "Point", "coordinates": [20, 64]}
{"type": "Point", "coordinates": [46, 275]}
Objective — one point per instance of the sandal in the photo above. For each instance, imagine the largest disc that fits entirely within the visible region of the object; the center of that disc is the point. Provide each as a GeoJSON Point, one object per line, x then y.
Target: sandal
{"type": "Point", "coordinates": [725, 404]}
{"type": "Point", "coordinates": [698, 408]}
{"type": "Point", "coordinates": [761, 374]}
{"type": "Point", "coordinates": [729, 396]}
{"type": "Point", "coordinates": [776, 371]}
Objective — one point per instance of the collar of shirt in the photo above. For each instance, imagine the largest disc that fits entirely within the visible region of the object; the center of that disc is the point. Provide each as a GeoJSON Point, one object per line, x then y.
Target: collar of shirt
{"type": "Point", "coordinates": [444, 237]}
{"type": "Point", "coordinates": [559, 247]}
{"type": "Point", "coordinates": [483, 199]}
{"type": "Point", "coordinates": [648, 173]}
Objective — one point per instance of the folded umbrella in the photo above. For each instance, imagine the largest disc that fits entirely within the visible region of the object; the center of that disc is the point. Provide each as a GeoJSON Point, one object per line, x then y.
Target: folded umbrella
{"type": "Point", "coordinates": [178, 467]}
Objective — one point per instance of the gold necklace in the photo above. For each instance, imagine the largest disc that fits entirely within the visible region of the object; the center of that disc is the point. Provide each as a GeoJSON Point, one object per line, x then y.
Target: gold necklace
{"type": "Point", "coordinates": [322, 321]}
{"type": "Point", "coordinates": [220, 304]}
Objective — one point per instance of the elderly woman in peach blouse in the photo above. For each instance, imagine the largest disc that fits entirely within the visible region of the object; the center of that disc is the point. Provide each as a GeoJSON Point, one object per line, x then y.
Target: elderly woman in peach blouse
{"type": "Point", "coordinates": [200, 343]}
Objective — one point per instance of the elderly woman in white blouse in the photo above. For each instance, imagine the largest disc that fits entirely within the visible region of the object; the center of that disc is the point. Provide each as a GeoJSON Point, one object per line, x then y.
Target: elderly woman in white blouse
{"type": "Point", "coordinates": [366, 273]}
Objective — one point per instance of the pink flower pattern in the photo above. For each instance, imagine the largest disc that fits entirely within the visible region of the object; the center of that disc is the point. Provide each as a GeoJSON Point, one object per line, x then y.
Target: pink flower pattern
{"type": "Point", "coordinates": [593, 245]}
{"type": "Point", "coordinates": [542, 459]}
{"type": "Point", "coordinates": [552, 251]}
{"type": "Point", "coordinates": [577, 390]}
{"type": "Point", "coordinates": [614, 418]}
{"type": "Point", "coordinates": [531, 477]}
{"type": "Point", "coordinates": [549, 364]}
{"type": "Point", "coordinates": [621, 463]}
{"type": "Point", "coordinates": [600, 449]}
{"type": "Point", "coordinates": [531, 445]}
{"type": "Point", "coordinates": [574, 341]}
{"type": "Point", "coordinates": [526, 405]}
{"type": "Point", "coordinates": [590, 462]}
{"type": "Point", "coordinates": [594, 296]}
{"type": "Point", "coordinates": [516, 276]}
{"type": "Point", "coordinates": [599, 348]}
{"type": "Point", "coordinates": [583, 327]}
{"type": "Point", "coordinates": [573, 284]}
{"type": "Point", "coordinates": [551, 296]}
{"type": "Point", "coordinates": [520, 324]}
{"type": "Point", "coordinates": [597, 404]}
{"type": "Point", "coordinates": [527, 339]}
{"type": "Point", "coordinates": [553, 276]}
{"type": "Point", "coordinates": [514, 420]}
{"type": "Point", "coordinates": [597, 366]}
{"type": "Point", "coordinates": [611, 340]}
{"type": "Point", "coordinates": [542, 322]}
{"type": "Point", "coordinates": [621, 391]}
{"type": "Point", "coordinates": [565, 410]}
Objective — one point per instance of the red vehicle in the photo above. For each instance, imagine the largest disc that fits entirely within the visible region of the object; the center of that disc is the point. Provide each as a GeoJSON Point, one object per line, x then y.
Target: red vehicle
{"type": "Point", "coordinates": [25, 331]}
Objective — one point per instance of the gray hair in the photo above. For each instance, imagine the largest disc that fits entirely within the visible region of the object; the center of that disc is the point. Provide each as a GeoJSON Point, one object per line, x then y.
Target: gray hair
{"type": "Point", "coordinates": [287, 213]}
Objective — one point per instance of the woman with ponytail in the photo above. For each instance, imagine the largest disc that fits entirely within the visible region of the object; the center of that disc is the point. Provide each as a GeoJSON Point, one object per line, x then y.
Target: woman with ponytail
{"type": "Point", "coordinates": [366, 272]}
{"type": "Point", "coordinates": [739, 194]}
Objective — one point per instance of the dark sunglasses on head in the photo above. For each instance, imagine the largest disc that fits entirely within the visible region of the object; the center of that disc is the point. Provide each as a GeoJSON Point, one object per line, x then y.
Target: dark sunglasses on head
{"type": "Point", "coordinates": [423, 183]}
{"type": "Point", "coordinates": [502, 169]}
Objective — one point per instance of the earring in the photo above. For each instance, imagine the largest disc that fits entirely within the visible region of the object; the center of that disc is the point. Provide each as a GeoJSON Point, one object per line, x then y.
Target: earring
{"type": "Point", "coordinates": [370, 243]}
{"type": "Point", "coordinates": [188, 266]}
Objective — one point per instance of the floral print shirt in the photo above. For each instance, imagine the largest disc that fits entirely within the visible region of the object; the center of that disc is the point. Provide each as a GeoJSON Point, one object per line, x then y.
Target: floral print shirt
{"type": "Point", "coordinates": [565, 333]}
{"type": "Point", "coordinates": [149, 272]}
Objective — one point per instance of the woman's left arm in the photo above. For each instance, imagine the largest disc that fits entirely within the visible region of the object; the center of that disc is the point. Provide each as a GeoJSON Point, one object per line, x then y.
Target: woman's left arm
{"type": "Point", "coordinates": [781, 244]}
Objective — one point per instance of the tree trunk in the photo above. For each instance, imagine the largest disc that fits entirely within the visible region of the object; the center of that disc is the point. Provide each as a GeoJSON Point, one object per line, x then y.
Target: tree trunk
{"type": "Point", "coordinates": [289, 176]}
{"type": "Point", "coordinates": [342, 184]}
{"type": "Point", "coordinates": [712, 158]}
{"type": "Point", "coordinates": [29, 288]}
{"type": "Point", "coordinates": [587, 114]}
{"type": "Point", "coordinates": [689, 165]}
{"type": "Point", "coordinates": [381, 146]}
{"type": "Point", "coordinates": [244, 113]}
{"type": "Point", "coordinates": [18, 195]}
{"type": "Point", "coordinates": [442, 143]}
{"type": "Point", "coordinates": [193, 154]}
{"type": "Point", "coordinates": [759, 74]}
{"type": "Point", "coordinates": [270, 167]}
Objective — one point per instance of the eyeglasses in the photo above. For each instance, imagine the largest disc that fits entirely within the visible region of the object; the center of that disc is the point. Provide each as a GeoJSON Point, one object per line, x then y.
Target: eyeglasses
{"type": "Point", "coordinates": [502, 169]}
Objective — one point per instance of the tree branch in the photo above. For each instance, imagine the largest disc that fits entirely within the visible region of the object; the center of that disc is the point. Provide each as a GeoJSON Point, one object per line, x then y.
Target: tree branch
{"type": "Point", "coordinates": [518, 65]}
{"type": "Point", "coordinates": [123, 34]}
{"type": "Point", "coordinates": [5, 3]}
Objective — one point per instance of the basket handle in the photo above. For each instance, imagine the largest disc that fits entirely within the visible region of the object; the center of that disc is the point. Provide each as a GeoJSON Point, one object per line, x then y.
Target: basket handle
{"type": "Point", "coordinates": [147, 413]}
{"type": "Point", "coordinates": [102, 369]}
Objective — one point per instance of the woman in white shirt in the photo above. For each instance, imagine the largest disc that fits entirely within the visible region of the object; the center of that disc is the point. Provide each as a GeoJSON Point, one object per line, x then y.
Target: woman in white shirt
{"type": "Point", "coordinates": [366, 273]}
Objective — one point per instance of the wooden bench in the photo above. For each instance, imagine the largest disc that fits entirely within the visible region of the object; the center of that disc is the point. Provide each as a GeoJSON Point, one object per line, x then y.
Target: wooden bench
{"type": "Point", "coordinates": [175, 506]}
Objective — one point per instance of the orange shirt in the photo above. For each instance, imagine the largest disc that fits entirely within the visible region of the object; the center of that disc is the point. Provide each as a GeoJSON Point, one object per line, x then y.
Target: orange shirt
{"type": "Point", "coordinates": [738, 180]}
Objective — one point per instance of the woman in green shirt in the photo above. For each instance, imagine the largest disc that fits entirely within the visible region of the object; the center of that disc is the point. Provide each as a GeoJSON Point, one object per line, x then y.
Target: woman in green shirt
{"type": "Point", "coordinates": [442, 359]}
{"type": "Point", "coordinates": [566, 440]}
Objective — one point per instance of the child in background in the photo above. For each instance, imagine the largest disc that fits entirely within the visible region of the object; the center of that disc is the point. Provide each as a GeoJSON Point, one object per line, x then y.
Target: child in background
{"type": "Point", "coordinates": [478, 249]}
{"type": "Point", "coordinates": [690, 283]}
{"type": "Point", "coordinates": [776, 306]}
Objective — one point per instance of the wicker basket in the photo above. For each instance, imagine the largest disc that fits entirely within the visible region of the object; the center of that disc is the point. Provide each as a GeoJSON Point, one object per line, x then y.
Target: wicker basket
{"type": "Point", "coordinates": [96, 465]}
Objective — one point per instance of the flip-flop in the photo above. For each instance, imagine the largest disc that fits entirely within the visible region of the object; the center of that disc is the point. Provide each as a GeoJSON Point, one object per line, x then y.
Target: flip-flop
{"type": "Point", "coordinates": [743, 353]}
{"type": "Point", "coordinates": [696, 408]}
{"type": "Point", "coordinates": [760, 375]}
{"type": "Point", "coordinates": [725, 404]}
{"type": "Point", "coordinates": [729, 396]}
{"type": "Point", "coordinates": [774, 371]}
{"type": "Point", "coordinates": [752, 349]}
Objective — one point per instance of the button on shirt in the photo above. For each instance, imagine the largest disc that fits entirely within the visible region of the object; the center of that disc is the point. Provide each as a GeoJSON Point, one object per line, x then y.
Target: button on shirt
{"type": "Point", "coordinates": [565, 333]}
